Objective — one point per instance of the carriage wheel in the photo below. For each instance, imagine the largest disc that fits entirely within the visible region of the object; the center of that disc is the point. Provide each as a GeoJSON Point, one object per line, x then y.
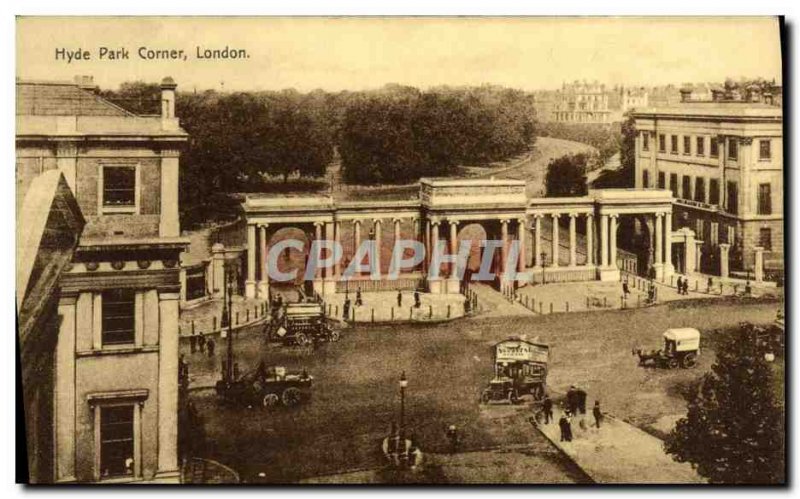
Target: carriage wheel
{"type": "Point", "coordinates": [335, 336]}
{"type": "Point", "coordinates": [291, 396]}
{"type": "Point", "coordinates": [270, 400]}
{"type": "Point", "coordinates": [672, 363]}
{"type": "Point", "coordinates": [689, 361]}
{"type": "Point", "coordinates": [302, 339]}
{"type": "Point", "coordinates": [512, 397]}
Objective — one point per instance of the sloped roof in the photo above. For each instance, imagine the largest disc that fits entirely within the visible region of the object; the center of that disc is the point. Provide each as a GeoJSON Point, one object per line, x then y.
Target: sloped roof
{"type": "Point", "coordinates": [62, 99]}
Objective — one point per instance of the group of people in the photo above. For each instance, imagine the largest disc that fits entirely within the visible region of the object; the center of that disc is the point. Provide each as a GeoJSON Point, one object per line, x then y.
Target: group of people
{"type": "Point", "coordinates": [683, 286]}
{"type": "Point", "coordinates": [348, 305]}
{"type": "Point", "coordinates": [198, 342]}
{"type": "Point", "coordinates": [575, 404]}
{"type": "Point", "coordinates": [401, 450]}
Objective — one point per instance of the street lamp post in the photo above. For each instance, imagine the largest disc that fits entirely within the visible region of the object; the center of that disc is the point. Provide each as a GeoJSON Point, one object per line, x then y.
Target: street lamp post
{"type": "Point", "coordinates": [403, 385]}
{"type": "Point", "coordinates": [228, 306]}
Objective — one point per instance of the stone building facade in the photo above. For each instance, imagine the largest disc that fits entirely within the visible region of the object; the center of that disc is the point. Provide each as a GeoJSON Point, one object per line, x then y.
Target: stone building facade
{"type": "Point", "coordinates": [115, 360]}
{"type": "Point", "coordinates": [723, 162]}
{"type": "Point", "coordinates": [582, 102]}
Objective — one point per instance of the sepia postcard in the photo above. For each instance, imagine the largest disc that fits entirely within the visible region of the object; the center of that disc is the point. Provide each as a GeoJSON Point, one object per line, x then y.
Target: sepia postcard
{"type": "Point", "coordinates": [400, 250]}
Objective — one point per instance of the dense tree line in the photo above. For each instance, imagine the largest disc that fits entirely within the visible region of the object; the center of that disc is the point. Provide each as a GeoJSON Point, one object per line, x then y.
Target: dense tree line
{"type": "Point", "coordinates": [566, 176]}
{"type": "Point", "coordinates": [399, 134]}
{"type": "Point", "coordinates": [241, 141]}
{"type": "Point", "coordinates": [607, 139]}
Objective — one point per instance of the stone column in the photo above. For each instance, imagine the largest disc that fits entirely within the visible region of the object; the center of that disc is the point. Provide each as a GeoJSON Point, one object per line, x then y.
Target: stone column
{"type": "Point", "coordinates": [434, 239]}
{"type": "Point", "coordinates": [658, 256]}
{"type": "Point", "coordinates": [397, 222]}
{"type": "Point", "coordinates": [669, 269]}
{"type": "Point", "coordinates": [328, 282]}
{"type": "Point", "coordinates": [521, 262]}
{"type": "Point", "coordinates": [317, 237]}
{"type": "Point", "coordinates": [377, 228]}
{"type": "Point", "coordinates": [724, 249]}
{"type": "Point", "coordinates": [168, 383]}
{"type": "Point", "coordinates": [604, 240]}
{"type": "Point", "coordinates": [217, 269]}
{"type": "Point", "coordinates": [64, 392]}
{"type": "Point", "coordinates": [357, 236]}
{"type": "Point", "coordinates": [537, 241]}
{"type": "Point", "coordinates": [612, 238]}
{"type": "Point", "coordinates": [504, 247]}
{"type": "Point", "coordinates": [759, 263]}
{"type": "Point", "coordinates": [589, 239]}
{"type": "Point", "coordinates": [263, 282]}
{"type": "Point", "coordinates": [252, 249]}
{"type": "Point", "coordinates": [555, 247]}
{"type": "Point", "coordinates": [453, 244]}
{"type": "Point", "coordinates": [337, 269]}
{"type": "Point", "coordinates": [426, 262]}
{"type": "Point", "coordinates": [573, 257]}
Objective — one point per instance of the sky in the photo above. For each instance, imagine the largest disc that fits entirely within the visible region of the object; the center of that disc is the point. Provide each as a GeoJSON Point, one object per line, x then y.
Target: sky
{"type": "Point", "coordinates": [358, 53]}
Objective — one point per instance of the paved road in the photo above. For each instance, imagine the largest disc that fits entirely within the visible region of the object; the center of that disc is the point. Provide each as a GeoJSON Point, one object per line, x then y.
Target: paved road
{"type": "Point", "coordinates": [356, 396]}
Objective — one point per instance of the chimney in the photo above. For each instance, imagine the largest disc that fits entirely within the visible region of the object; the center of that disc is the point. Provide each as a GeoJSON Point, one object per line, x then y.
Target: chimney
{"type": "Point", "coordinates": [168, 86]}
{"type": "Point", "coordinates": [85, 82]}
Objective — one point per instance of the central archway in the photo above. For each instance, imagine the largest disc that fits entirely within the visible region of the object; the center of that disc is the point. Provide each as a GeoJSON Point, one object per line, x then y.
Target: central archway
{"type": "Point", "coordinates": [291, 259]}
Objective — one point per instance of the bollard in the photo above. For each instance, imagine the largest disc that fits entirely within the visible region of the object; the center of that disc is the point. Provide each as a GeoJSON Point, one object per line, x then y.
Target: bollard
{"type": "Point", "coordinates": [605, 302]}
{"type": "Point", "coordinates": [430, 311]}
{"type": "Point", "coordinates": [214, 323]}
{"type": "Point", "coordinates": [329, 308]}
{"type": "Point", "coordinates": [621, 302]}
{"type": "Point", "coordinates": [695, 285]}
{"type": "Point", "coordinates": [410, 313]}
{"type": "Point", "coordinates": [566, 306]}
{"type": "Point", "coordinates": [373, 314]}
{"type": "Point", "coordinates": [192, 327]}
{"type": "Point", "coordinates": [392, 313]}
{"type": "Point", "coordinates": [336, 309]}
{"type": "Point", "coordinates": [354, 314]}
{"type": "Point", "coordinates": [540, 308]}
{"type": "Point", "coordinates": [638, 301]}
{"type": "Point", "coordinates": [448, 310]}
{"type": "Point", "coordinates": [247, 315]}
{"type": "Point", "coordinates": [551, 307]}
{"type": "Point", "coordinates": [588, 306]}
{"type": "Point", "coordinates": [237, 318]}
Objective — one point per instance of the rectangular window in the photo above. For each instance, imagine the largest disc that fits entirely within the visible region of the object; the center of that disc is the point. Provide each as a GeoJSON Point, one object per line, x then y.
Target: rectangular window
{"type": "Point", "coordinates": [645, 179]}
{"type": "Point", "coordinates": [687, 144]}
{"type": "Point", "coordinates": [732, 204]}
{"type": "Point", "coordinates": [764, 149]}
{"type": "Point", "coordinates": [116, 441]}
{"type": "Point", "coordinates": [701, 146]}
{"type": "Point", "coordinates": [662, 143]}
{"type": "Point", "coordinates": [674, 144]}
{"type": "Point", "coordinates": [714, 147]}
{"type": "Point", "coordinates": [118, 316]}
{"type": "Point", "coordinates": [645, 141]}
{"type": "Point", "coordinates": [700, 228]}
{"type": "Point", "coordinates": [662, 180]}
{"type": "Point", "coordinates": [765, 238]}
{"type": "Point", "coordinates": [700, 190]}
{"type": "Point", "coordinates": [713, 191]}
{"type": "Point", "coordinates": [119, 186]}
{"type": "Point", "coordinates": [686, 187]}
{"type": "Point", "coordinates": [764, 199]}
{"type": "Point", "coordinates": [733, 149]}
{"type": "Point", "coordinates": [714, 233]}
{"type": "Point", "coordinates": [673, 184]}
{"type": "Point", "coordinates": [731, 235]}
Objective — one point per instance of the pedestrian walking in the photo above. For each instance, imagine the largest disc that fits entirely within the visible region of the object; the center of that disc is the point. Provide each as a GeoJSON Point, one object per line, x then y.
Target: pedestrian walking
{"type": "Point", "coordinates": [747, 289]}
{"type": "Point", "coordinates": [359, 301]}
{"type": "Point", "coordinates": [193, 342]}
{"type": "Point", "coordinates": [565, 427]}
{"type": "Point", "coordinates": [625, 290]}
{"type": "Point", "coordinates": [201, 342]}
{"type": "Point", "coordinates": [680, 285]}
{"type": "Point", "coordinates": [399, 299]}
{"type": "Point", "coordinates": [580, 396]}
{"type": "Point", "coordinates": [597, 413]}
{"type": "Point", "coordinates": [452, 437]}
{"type": "Point", "coordinates": [346, 309]}
{"type": "Point", "coordinates": [686, 286]}
{"type": "Point", "coordinates": [210, 344]}
{"type": "Point", "coordinates": [709, 284]}
{"type": "Point", "coordinates": [417, 303]}
{"type": "Point", "coordinates": [547, 409]}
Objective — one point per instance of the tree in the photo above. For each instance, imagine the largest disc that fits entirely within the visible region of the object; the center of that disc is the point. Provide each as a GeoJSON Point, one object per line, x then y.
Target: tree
{"type": "Point", "coordinates": [733, 432]}
{"type": "Point", "coordinates": [566, 176]}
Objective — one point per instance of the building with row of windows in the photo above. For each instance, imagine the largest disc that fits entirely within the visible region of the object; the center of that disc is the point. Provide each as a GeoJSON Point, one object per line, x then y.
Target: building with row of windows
{"type": "Point", "coordinates": [100, 346]}
{"type": "Point", "coordinates": [723, 162]}
{"type": "Point", "coordinates": [581, 102]}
